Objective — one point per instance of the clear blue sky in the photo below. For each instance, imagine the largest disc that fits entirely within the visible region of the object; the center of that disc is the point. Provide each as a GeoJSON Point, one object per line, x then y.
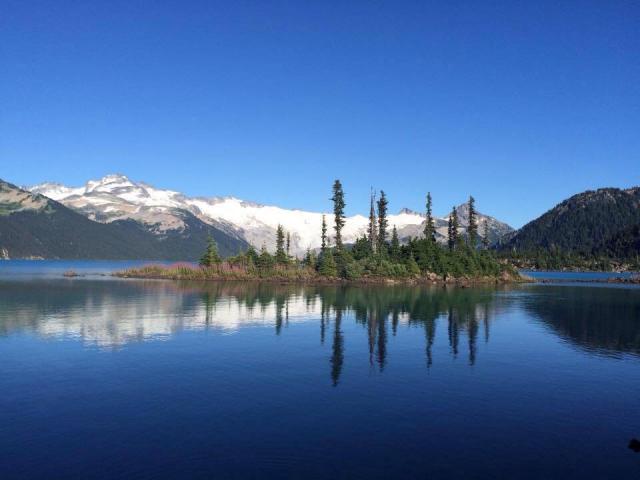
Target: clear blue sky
{"type": "Point", "coordinates": [519, 103]}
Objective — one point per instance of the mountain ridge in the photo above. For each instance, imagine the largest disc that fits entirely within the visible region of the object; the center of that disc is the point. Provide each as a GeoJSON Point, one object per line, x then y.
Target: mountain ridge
{"type": "Point", "coordinates": [115, 196]}
{"type": "Point", "coordinates": [586, 224]}
{"type": "Point", "coordinates": [35, 226]}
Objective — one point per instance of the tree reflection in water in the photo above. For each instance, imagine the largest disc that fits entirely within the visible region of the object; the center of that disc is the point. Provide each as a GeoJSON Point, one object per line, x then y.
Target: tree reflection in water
{"type": "Point", "coordinates": [376, 308]}
{"type": "Point", "coordinates": [109, 314]}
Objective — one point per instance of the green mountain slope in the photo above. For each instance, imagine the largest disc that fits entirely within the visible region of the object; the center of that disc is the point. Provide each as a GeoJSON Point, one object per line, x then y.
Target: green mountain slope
{"type": "Point", "coordinates": [32, 225]}
{"type": "Point", "coordinates": [624, 245]}
{"type": "Point", "coordinates": [581, 223]}
{"type": "Point", "coordinates": [583, 231]}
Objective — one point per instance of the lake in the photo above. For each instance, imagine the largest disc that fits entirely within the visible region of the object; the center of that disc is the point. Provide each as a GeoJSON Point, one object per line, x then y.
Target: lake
{"type": "Point", "coordinates": [109, 378]}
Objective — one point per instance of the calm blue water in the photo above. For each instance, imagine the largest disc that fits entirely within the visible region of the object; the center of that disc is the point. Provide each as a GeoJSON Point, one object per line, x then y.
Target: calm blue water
{"type": "Point", "coordinates": [580, 276]}
{"type": "Point", "coordinates": [28, 269]}
{"type": "Point", "coordinates": [104, 378]}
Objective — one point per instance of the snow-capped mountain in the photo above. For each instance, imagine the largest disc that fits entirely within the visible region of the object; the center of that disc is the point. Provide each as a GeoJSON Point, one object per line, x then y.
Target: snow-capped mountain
{"type": "Point", "coordinates": [35, 226]}
{"type": "Point", "coordinates": [115, 197]}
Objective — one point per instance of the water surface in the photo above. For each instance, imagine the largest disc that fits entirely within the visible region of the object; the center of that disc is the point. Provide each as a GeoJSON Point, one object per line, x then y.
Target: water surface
{"type": "Point", "coordinates": [108, 378]}
{"type": "Point", "coordinates": [577, 276]}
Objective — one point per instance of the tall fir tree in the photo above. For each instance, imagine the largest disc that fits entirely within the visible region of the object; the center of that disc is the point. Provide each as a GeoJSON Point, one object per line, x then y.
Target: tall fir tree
{"type": "Point", "coordinates": [429, 227]}
{"type": "Point", "coordinates": [395, 244]}
{"type": "Point", "coordinates": [453, 229]}
{"type": "Point", "coordinates": [288, 243]}
{"type": "Point", "coordinates": [323, 237]}
{"type": "Point", "coordinates": [383, 222]}
{"type": "Point", "coordinates": [338, 212]}
{"type": "Point", "coordinates": [486, 242]}
{"type": "Point", "coordinates": [211, 256]}
{"type": "Point", "coordinates": [457, 238]}
{"type": "Point", "coordinates": [281, 254]}
{"type": "Point", "coordinates": [372, 231]}
{"type": "Point", "coordinates": [472, 229]}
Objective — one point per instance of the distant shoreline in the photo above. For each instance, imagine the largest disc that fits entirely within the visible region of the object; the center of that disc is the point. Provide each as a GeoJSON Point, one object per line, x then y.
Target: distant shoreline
{"type": "Point", "coordinates": [634, 280]}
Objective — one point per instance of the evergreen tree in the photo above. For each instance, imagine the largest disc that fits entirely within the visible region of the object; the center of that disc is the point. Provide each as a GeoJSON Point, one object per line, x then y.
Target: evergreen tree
{"type": "Point", "coordinates": [309, 259]}
{"type": "Point", "coordinates": [361, 248]}
{"type": "Point", "coordinates": [395, 244]}
{"type": "Point", "coordinates": [429, 227]}
{"type": "Point", "coordinates": [265, 260]}
{"type": "Point", "coordinates": [453, 229]}
{"type": "Point", "coordinates": [251, 255]}
{"type": "Point", "coordinates": [338, 212]}
{"type": "Point", "coordinates": [412, 266]}
{"type": "Point", "coordinates": [210, 256]}
{"type": "Point", "coordinates": [281, 255]}
{"type": "Point", "coordinates": [472, 229]}
{"type": "Point", "coordinates": [372, 255]}
{"type": "Point", "coordinates": [372, 231]}
{"type": "Point", "coordinates": [324, 233]}
{"type": "Point", "coordinates": [485, 235]}
{"type": "Point", "coordinates": [382, 222]}
{"type": "Point", "coordinates": [327, 264]}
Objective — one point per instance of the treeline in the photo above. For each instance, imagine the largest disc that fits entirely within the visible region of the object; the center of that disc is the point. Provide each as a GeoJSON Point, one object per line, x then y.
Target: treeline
{"type": "Point", "coordinates": [378, 252]}
{"type": "Point", "coordinates": [617, 252]}
{"type": "Point", "coordinates": [623, 253]}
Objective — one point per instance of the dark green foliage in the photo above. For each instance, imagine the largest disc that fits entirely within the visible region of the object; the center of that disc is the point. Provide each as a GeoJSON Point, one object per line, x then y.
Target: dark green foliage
{"type": "Point", "coordinates": [281, 255]}
{"type": "Point", "coordinates": [472, 228]}
{"type": "Point", "coordinates": [343, 259]}
{"type": "Point", "coordinates": [394, 249]}
{"type": "Point", "coordinates": [417, 258]}
{"type": "Point", "coordinates": [372, 231]}
{"type": "Point", "coordinates": [265, 260]}
{"type": "Point", "coordinates": [310, 259]}
{"type": "Point", "coordinates": [452, 232]}
{"type": "Point", "coordinates": [327, 264]}
{"type": "Point", "coordinates": [624, 245]}
{"type": "Point", "coordinates": [429, 226]}
{"type": "Point", "coordinates": [361, 248]}
{"type": "Point", "coordinates": [353, 271]}
{"type": "Point", "coordinates": [338, 212]}
{"type": "Point", "coordinates": [324, 233]}
{"type": "Point", "coordinates": [211, 256]}
{"type": "Point", "coordinates": [413, 269]}
{"type": "Point", "coordinates": [382, 223]}
{"type": "Point", "coordinates": [485, 235]}
{"type": "Point", "coordinates": [252, 255]}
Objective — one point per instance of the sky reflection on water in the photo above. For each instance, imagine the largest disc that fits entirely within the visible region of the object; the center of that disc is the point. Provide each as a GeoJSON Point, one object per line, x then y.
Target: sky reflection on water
{"type": "Point", "coordinates": [241, 380]}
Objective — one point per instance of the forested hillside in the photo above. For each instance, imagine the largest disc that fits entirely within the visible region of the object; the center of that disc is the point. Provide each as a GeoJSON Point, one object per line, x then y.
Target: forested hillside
{"type": "Point", "coordinates": [593, 226]}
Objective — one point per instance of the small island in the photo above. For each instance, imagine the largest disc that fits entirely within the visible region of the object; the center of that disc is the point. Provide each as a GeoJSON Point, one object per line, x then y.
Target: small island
{"type": "Point", "coordinates": [375, 257]}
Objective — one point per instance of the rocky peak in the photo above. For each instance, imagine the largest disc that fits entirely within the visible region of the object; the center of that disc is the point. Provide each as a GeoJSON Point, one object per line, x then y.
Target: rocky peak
{"type": "Point", "coordinates": [408, 211]}
{"type": "Point", "coordinates": [108, 183]}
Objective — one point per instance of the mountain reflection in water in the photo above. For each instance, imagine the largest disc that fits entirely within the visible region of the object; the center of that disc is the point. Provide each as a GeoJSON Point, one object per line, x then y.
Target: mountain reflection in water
{"type": "Point", "coordinates": [597, 319]}
{"type": "Point", "coordinates": [110, 314]}
{"type": "Point", "coordinates": [109, 378]}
